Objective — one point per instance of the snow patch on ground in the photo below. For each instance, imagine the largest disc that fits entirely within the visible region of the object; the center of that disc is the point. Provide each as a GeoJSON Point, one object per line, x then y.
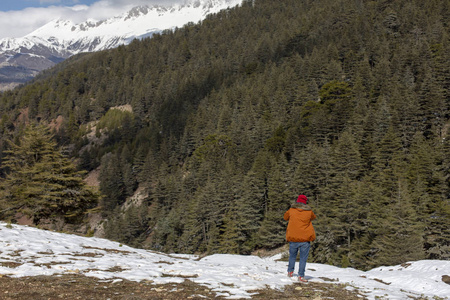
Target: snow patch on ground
{"type": "Point", "coordinates": [28, 251]}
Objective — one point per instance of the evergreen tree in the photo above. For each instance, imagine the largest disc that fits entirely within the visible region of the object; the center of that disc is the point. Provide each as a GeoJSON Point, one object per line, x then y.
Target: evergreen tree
{"type": "Point", "coordinates": [427, 182]}
{"type": "Point", "coordinates": [365, 222]}
{"type": "Point", "coordinates": [111, 184]}
{"type": "Point", "coordinates": [343, 204]}
{"type": "Point", "coordinates": [230, 236]}
{"type": "Point", "coordinates": [400, 236]}
{"type": "Point", "coordinates": [40, 182]}
{"type": "Point", "coordinates": [249, 210]}
{"type": "Point", "coordinates": [272, 231]}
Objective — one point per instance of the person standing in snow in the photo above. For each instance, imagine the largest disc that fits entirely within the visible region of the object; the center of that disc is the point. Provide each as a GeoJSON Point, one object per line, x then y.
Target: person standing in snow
{"type": "Point", "coordinates": [299, 233]}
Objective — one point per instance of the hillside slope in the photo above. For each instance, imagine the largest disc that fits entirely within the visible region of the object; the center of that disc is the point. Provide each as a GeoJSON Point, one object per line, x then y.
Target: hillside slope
{"type": "Point", "coordinates": [232, 118]}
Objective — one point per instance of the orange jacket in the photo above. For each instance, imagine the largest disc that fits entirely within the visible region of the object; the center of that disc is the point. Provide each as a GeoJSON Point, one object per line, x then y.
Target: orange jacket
{"type": "Point", "coordinates": [300, 228]}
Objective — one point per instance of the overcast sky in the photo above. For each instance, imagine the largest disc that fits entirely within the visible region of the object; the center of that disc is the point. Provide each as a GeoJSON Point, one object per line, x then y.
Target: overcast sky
{"type": "Point", "coordinates": [20, 17]}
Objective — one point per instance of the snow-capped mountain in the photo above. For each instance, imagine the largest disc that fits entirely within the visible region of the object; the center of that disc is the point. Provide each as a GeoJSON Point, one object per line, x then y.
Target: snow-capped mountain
{"type": "Point", "coordinates": [22, 58]}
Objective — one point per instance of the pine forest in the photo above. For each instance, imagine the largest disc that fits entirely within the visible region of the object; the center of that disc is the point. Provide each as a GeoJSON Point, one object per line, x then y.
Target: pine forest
{"type": "Point", "coordinates": [203, 136]}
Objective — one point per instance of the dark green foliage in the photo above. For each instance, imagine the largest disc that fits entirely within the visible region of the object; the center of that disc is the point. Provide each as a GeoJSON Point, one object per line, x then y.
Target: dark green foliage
{"type": "Point", "coordinates": [115, 118]}
{"type": "Point", "coordinates": [112, 184]}
{"type": "Point", "coordinates": [271, 233]}
{"type": "Point", "coordinates": [277, 142]}
{"type": "Point", "coordinates": [129, 226]}
{"type": "Point", "coordinates": [344, 101]}
{"type": "Point", "coordinates": [40, 182]}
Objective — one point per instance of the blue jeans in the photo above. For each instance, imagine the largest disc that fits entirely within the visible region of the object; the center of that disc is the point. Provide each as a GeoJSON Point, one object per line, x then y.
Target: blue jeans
{"type": "Point", "coordinates": [294, 248]}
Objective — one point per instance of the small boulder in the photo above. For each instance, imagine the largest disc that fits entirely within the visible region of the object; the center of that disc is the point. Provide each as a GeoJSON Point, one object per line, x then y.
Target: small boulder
{"type": "Point", "coordinates": [446, 279]}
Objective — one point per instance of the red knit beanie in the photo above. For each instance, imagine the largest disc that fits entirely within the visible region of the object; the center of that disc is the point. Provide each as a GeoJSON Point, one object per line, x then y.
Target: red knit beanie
{"type": "Point", "coordinates": [302, 199]}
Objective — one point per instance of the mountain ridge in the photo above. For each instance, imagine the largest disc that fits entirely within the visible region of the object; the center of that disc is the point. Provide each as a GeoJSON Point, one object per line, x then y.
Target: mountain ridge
{"type": "Point", "coordinates": [23, 58]}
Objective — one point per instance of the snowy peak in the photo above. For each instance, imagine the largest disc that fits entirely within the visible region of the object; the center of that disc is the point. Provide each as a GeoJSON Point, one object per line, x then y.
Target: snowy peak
{"type": "Point", "coordinates": [53, 26]}
{"type": "Point", "coordinates": [142, 10]}
{"type": "Point", "coordinates": [136, 22]}
{"type": "Point", "coordinates": [53, 30]}
{"type": "Point", "coordinates": [60, 39]}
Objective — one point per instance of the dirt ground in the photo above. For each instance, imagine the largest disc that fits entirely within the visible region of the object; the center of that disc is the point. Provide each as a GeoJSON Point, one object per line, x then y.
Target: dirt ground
{"type": "Point", "coordinates": [70, 287]}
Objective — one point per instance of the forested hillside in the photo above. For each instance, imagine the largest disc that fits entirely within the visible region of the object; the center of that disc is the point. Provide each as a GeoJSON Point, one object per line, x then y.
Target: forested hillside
{"type": "Point", "coordinates": [346, 101]}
